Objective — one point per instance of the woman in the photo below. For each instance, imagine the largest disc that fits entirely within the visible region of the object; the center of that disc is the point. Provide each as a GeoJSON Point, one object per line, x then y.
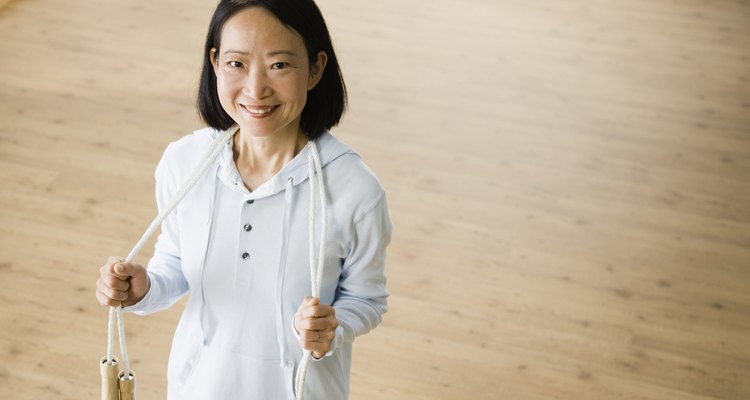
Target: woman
{"type": "Point", "coordinates": [238, 242]}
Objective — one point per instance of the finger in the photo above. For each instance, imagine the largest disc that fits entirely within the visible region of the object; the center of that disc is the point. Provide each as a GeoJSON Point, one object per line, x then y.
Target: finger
{"type": "Point", "coordinates": [327, 336]}
{"type": "Point", "coordinates": [113, 282]}
{"type": "Point", "coordinates": [116, 283]}
{"type": "Point", "coordinates": [318, 354]}
{"type": "Point", "coordinates": [319, 350]}
{"type": "Point", "coordinates": [114, 260]}
{"type": "Point", "coordinates": [307, 336]}
{"type": "Point", "coordinates": [319, 324]}
{"type": "Point", "coordinates": [318, 311]}
{"type": "Point", "coordinates": [122, 270]}
{"type": "Point", "coordinates": [109, 269]}
{"type": "Point", "coordinates": [106, 301]}
{"type": "Point", "coordinates": [321, 336]}
{"type": "Point", "coordinates": [311, 336]}
{"type": "Point", "coordinates": [111, 261]}
{"type": "Point", "coordinates": [127, 271]}
{"type": "Point", "coordinates": [111, 293]}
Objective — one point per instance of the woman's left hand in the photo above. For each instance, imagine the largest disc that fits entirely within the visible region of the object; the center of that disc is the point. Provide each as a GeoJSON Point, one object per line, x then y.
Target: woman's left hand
{"type": "Point", "coordinates": [316, 324]}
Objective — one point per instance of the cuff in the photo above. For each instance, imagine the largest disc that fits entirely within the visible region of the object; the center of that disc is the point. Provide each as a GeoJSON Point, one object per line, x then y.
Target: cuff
{"type": "Point", "coordinates": [144, 304]}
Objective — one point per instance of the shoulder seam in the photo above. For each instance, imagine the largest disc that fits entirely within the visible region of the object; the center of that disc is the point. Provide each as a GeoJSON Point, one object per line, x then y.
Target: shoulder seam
{"type": "Point", "coordinates": [370, 208]}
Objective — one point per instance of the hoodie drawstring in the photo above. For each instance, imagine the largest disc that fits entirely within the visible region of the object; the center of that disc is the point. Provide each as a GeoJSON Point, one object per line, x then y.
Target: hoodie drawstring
{"type": "Point", "coordinates": [285, 228]}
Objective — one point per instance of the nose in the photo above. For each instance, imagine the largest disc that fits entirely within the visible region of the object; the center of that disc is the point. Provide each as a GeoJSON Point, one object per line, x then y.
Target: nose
{"type": "Point", "coordinates": [257, 85]}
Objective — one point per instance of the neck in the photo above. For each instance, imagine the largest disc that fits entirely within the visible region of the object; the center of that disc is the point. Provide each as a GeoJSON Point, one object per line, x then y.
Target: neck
{"type": "Point", "coordinates": [266, 155]}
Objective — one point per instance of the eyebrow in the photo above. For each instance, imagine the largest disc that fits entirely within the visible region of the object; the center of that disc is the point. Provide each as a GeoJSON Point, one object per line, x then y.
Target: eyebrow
{"type": "Point", "coordinates": [270, 53]}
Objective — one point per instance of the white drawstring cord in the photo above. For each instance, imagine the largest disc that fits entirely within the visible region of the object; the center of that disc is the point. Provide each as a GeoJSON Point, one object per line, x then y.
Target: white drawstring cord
{"type": "Point", "coordinates": [316, 271]}
{"type": "Point", "coordinates": [199, 170]}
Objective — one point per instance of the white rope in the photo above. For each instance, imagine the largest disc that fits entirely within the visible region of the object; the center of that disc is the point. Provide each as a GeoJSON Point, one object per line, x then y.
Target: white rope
{"type": "Point", "coordinates": [200, 169]}
{"type": "Point", "coordinates": [110, 329]}
{"type": "Point", "coordinates": [323, 216]}
{"type": "Point", "coordinates": [123, 349]}
{"type": "Point", "coordinates": [316, 271]}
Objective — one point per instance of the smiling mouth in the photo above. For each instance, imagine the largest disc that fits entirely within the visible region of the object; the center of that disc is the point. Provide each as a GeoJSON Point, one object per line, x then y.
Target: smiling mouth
{"type": "Point", "coordinates": [258, 111]}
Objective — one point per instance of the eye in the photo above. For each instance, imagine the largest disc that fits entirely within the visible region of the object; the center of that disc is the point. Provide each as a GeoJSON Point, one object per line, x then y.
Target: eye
{"type": "Point", "coordinates": [234, 64]}
{"type": "Point", "coordinates": [279, 65]}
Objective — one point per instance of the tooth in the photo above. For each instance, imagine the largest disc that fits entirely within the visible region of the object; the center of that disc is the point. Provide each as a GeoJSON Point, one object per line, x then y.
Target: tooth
{"type": "Point", "coordinates": [258, 111]}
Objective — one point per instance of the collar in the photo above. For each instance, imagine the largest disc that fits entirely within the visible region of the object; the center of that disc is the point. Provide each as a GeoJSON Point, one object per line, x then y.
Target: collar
{"type": "Point", "coordinates": [296, 168]}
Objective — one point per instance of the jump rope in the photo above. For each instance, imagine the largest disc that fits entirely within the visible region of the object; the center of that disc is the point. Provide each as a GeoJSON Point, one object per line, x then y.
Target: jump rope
{"type": "Point", "coordinates": [120, 385]}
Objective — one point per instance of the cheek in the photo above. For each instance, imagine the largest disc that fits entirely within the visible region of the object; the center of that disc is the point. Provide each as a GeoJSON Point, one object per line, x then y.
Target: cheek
{"type": "Point", "coordinates": [294, 87]}
{"type": "Point", "coordinates": [225, 88]}
{"type": "Point", "coordinates": [297, 92]}
{"type": "Point", "coordinates": [222, 85]}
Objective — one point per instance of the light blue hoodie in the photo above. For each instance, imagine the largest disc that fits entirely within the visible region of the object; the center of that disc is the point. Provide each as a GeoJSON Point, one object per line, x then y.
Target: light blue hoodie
{"type": "Point", "coordinates": [203, 365]}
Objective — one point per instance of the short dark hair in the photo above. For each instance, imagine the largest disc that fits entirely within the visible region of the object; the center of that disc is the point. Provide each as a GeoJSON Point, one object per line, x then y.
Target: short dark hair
{"type": "Point", "coordinates": [325, 102]}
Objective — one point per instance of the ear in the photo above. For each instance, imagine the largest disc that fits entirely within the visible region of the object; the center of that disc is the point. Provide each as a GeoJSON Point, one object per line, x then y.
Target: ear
{"type": "Point", "coordinates": [316, 70]}
{"type": "Point", "coordinates": [214, 60]}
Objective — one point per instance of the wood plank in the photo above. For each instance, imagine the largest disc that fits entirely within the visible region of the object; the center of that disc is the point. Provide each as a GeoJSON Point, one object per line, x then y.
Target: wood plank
{"type": "Point", "coordinates": [568, 181]}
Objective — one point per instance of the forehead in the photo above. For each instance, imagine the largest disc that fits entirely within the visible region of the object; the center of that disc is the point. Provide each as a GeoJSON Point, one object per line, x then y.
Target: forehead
{"type": "Point", "coordinates": [255, 28]}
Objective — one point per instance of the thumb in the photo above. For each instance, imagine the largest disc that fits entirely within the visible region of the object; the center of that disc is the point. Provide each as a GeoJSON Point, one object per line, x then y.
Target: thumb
{"type": "Point", "coordinates": [312, 301]}
{"type": "Point", "coordinates": [126, 270]}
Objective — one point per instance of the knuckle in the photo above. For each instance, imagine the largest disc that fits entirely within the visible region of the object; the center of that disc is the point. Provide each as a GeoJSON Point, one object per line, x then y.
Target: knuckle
{"type": "Point", "coordinates": [119, 285]}
{"type": "Point", "coordinates": [112, 294]}
{"type": "Point", "coordinates": [110, 281]}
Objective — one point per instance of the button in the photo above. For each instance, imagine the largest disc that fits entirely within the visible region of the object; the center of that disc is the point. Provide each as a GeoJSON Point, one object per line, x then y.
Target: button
{"type": "Point", "coordinates": [248, 227]}
{"type": "Point", "coordinates": [245, 255]}
{"type": "Point", "coordinates": [251, 201]}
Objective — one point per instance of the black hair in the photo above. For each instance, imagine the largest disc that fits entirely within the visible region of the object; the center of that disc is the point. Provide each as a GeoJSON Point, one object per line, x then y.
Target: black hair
{"type": "Point", "coordinates": [325, 102]}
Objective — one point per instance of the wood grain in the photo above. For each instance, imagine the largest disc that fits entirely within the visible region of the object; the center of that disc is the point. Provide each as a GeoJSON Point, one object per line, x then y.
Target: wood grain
{"type": "Point", "coordinates": [568, 181]}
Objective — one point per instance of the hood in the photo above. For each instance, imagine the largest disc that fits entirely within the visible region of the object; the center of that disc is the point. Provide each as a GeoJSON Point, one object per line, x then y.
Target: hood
{"type": "Point", "coordinates": [329, 149]}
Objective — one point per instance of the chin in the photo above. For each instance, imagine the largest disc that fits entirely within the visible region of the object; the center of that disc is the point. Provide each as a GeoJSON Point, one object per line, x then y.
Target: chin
{"type": "Point", "coordinates": [257, 131]}
{"type": "Point", "coordinates": [264, 128]}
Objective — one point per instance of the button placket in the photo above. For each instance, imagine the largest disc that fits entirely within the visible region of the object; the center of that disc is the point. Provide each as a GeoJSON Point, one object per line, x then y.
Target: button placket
{"type": "Point", "coordinates": [247, 228]}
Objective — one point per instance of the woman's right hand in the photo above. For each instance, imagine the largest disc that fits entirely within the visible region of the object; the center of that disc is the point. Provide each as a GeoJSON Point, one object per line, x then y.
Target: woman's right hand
{"type": "Point", "coordinates": [121, 283]}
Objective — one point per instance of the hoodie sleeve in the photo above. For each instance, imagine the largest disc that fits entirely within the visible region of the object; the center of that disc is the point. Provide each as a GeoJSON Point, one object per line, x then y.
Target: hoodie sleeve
{"type": "Point", "coordinates": [164, 270]}
{"type": "Point", "coordinates": [361, 297]}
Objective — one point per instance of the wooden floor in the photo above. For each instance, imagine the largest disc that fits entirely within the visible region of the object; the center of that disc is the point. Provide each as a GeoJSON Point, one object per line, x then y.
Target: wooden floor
{"type": "Point", "coordinates": [569, 183]}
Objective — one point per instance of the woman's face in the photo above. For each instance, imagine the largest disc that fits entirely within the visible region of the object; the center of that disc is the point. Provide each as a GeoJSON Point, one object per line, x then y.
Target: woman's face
{"type": "Point", "coordinates": [263, 73]}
